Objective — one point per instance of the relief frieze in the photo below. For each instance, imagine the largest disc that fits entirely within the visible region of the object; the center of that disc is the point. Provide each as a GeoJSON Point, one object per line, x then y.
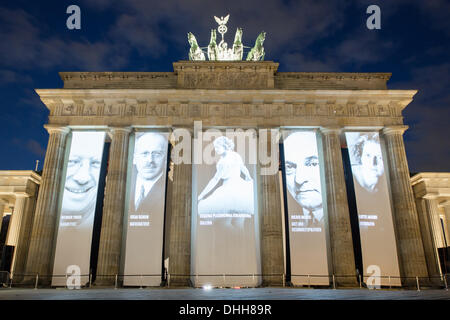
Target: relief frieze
{"type": "Point", "coordinates": [221, 80]}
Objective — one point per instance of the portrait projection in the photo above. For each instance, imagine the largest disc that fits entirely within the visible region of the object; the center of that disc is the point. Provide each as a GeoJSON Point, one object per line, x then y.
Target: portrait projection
{"type": "Point", "coordinates": [225, 246]}
{"type": "Point", "coordinates": [145, 223]}
{"type": "Point", "coordinates": [73, 244]}
{"type": "Point", "coordinates": [373, 203]}
{"type": "Point", "coordinates": [307, 234]}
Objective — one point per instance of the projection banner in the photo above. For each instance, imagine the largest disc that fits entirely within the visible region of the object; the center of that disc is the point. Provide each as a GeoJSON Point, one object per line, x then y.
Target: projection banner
{"type": "Point", "coordinates": [145, 224]}
{"type": "Point", "coordinates": [73, 244]}
{"type": "Point", "coordinates": [225, 235]}
{"type": "Point", "coordinates": [307, 235]}
{"type": "Point", "coordinates": [373, 203]}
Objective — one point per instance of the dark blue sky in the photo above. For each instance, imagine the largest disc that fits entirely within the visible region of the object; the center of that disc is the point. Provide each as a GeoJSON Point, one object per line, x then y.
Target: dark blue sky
{"type": "Point", "coordinates": [413, 44]}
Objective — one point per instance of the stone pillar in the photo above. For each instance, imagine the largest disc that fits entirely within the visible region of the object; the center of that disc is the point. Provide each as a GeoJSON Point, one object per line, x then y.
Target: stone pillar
{"type": "Point", "coordinates": [436, 229]}
{"type": "Point", "coordinates": [271, 223]}
{"type": "Point", "coordinates": [44, 224]}
{"type": "Point", "coordinates": [426, 231]}
{"type": "Point", "coordinates": [180, 225]}
{"type": "Point", "coordinates": [341, 242]}
{"type": "Point", "coordinates": [15, 224]}
{"type": "Point", "coordinates": [409, 242]}
{"type": "Point", "coordinates": [446, 207]}
{"type": "Point", "coordinates": [433, 211]}
{"type": "Point", "coordinates": [2, 211]}
{"type": "Point", "coordinates": [113, 208]}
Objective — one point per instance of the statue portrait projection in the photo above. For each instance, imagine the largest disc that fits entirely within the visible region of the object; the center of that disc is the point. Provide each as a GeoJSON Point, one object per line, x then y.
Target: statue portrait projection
{"type": "Point", "coordinates": [225, 228]}
{"type": "Point", "coordinates": [146, 210]}
{"type": "Point", "coordinates": [373, 204]}
{"type": "Point", "coordinates": [308, 248]}
{"type": "Point", "coordinates": [76, 220]}
{"type": "Point", "coordinates": [235, 193]}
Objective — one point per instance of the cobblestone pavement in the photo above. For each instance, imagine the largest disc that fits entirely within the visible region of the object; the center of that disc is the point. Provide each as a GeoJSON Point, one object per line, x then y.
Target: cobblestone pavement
{"type": "Point", "coordinates": [222, 294]}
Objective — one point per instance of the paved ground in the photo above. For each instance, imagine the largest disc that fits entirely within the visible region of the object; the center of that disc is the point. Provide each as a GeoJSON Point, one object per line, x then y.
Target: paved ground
{"type": "Point", "coordinates": [222, 294]}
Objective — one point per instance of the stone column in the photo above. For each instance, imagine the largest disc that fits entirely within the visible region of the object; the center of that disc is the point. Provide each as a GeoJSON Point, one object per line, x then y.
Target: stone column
{"type": "Point", "coordinates": [409, 242]}
{"type": "Point", "coordinates": [436, 229]}
{"type": "Point", "coordinates": [13, 235]}
{"type": "Point", "coordinates": [446, 207]}
{"type": "Point", "coordinates": [180, 225]}
{"type": "Point", "coordinates": [426, 231]}
{"type": "Point", "coordinates": [2, 211]}
{"type": "Point", "coordinates": [433, 211]}
{"type": "Point", "coordinates": [44, 224]}
{"type": "Point", "coordinates": [113, 208]}
{"type": "Point", "coordinates": [341, 242]}
{"type": "Point", "coordinates": [271, 223]}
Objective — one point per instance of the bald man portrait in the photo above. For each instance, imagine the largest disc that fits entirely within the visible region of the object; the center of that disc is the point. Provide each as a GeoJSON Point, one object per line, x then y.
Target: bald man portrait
{"type": "Point", "coordinates": [148, 173]}
{"type": "Point", "coordinates": [303, 178]}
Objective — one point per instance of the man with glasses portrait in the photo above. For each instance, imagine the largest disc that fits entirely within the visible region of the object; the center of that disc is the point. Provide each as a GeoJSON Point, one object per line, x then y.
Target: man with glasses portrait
{"type": "Point", "coordinates": [149, 163]}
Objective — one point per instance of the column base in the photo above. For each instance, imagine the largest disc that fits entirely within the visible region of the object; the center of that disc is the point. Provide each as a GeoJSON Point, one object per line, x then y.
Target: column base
{"type": "Point", "coordinates": [180, 281]}
{"type": "Point", "coordinates": [346, 282]}
{"type": "Point", "coordinates": [30, 281]}
{"type": "Point", "coordinates": [273, 281]}
{"type": "Point", "coordinates": [106, 281]}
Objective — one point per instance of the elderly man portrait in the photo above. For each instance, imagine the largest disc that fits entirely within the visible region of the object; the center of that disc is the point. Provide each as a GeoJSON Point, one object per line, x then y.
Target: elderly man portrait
{"type": "Point", "coordinates": [149, 163]}
{"type": "Point", "coordinates": [303, 178]}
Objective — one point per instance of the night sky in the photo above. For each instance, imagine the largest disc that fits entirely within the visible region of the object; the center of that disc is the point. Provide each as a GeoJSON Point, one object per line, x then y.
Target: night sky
{"type": "Point", "coordinates": [313, 36]}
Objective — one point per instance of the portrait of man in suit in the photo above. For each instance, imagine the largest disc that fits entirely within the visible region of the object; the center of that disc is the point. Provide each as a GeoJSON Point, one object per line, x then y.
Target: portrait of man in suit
{"type": "Point", "coordinates": [148, 173]}
{"type": "Point", "coordinates": [303, 178]}
{"type": "Point", "coordinates": [144, 244]}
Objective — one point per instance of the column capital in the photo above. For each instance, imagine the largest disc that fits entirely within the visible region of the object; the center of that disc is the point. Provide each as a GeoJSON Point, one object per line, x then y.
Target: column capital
{"type": "Point", "coordinates": [431, 196]}
{"type": "Point", "coordinates": [445, 204]}
{"type": "Point", "coordinates": [120, 129]}
{"type": "Point", "coordinates": [112, 130]}
{"type": "Point", "coordinates": [21, 195]}
{"type": "Point", "coordinates": [51, 128]}
{"type": "Point", "coordinates": [394, 130]}
{"type": "Point", "coordinates": [331, 129]}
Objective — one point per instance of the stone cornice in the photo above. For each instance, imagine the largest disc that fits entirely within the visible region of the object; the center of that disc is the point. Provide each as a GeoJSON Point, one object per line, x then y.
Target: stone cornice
{"type": "Point", "coordinates": [335, 75]}
{"type": "Point", "coordinates": [431, 185]}
{"type": "Point", "coordinates": [180, 107]}
{"type": "Point", "coordinates": [226, 75]}
{"type": "Point", "coordinates": [402, 97]}
{"type": "Point", "coordinates": [199, 66]}
{"type": "Point", "coordinates": [68, 76]}
{"type": "Point", "coordinates": [14, 174]}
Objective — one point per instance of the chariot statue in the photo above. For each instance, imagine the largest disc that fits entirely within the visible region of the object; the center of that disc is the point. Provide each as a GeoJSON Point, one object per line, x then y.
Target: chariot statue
{"type": "Point", "coordinates": [220, 51]}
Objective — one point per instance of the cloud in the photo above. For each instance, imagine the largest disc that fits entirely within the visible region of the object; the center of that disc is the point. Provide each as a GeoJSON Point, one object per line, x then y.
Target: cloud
{"type": "Point", "coordinates": [25, 47]}
{"type": "Point", "coordinates": [30, 145]}
{"type": "Point", "coordinates": [427, 116]}
{"type": "Point", "coordinates": [34, 147]}
{"type": "Point", "coordinates": [13, 77]}
{"type": "Point", "coordinates": [152, 27]}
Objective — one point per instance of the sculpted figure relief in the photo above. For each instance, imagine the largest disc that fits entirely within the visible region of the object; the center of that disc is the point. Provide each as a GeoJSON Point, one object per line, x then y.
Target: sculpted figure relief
{"type": "Point", "coordinates": [195, 53]}
{"type": "Point", "coordinates": [212, 47]}
{"type": "Point", "coordinates": [257, 53]}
